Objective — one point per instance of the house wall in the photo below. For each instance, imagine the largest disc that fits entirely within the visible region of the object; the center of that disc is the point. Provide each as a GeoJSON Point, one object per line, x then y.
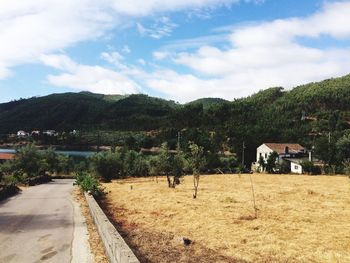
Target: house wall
{"type": "Point", "coordinates": [264, 151]}
{"type": "Point", "coordinates": [296, 168]}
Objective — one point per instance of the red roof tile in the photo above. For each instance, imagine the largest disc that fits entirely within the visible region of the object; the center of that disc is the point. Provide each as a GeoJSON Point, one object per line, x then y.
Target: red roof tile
{"type": "Point", "coordinates": [281, 147]}
{"type": "Point", "coordinates": [6, 156]}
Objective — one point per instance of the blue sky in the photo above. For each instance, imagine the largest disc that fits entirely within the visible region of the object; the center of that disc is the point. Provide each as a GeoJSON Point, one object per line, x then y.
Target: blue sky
{"type": "Point", "coordinates": [175, 49]}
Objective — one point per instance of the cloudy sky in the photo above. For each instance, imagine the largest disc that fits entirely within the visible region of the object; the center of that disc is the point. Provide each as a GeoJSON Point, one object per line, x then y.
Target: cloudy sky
{"type": "Point", "coordinates": [174, 49]}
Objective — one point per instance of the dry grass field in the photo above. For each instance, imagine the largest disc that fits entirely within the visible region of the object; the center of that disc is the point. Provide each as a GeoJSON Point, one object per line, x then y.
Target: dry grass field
{"type": "Point", "coordinates": [300, 218]}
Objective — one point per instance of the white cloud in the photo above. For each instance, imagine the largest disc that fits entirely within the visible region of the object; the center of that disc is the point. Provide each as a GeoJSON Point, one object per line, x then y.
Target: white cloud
{"type": "Point", "coordinates": [29, 28]}
{"type": "Point", "coordinates": [90, 78]}
{"type": "Point", "coordinates": [113, 58]}
{"type": "Point", "coordinates": [126, 49]}
{"type": "Point", "coordinates": [141, 61]}
{"type": "Point", "coordinates": [60, 61]}
{"type": "Point", "coordinates": [161, 28]}
{"type": "Point", "coordinates": [145, 7]}
{"type": "Point", "coordinates": [265, 55]}
{"type": "Point", "coordinates": [160, 55]}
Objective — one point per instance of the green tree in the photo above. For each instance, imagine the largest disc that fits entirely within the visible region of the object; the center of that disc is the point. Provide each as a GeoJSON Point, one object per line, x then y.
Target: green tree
{"type": "Point", "coordinates": [343, 147]}
{"type": "Point", "coordinates": [29, 161]}
{"type": "Point", "coordinates": [262, 164]}
{"type": "Point", "coordinates": [107, 165]}
{"type": "Point", "coordinates": [271, 162]}
{"type": "Point", "coordinates": [135, 164]}
{"type": "Point", "coordinates": [178, 164]}
{"type": "Point", "coordinates": [196, 162]}
{"type": "Point", "coordinates": [52, 159]}
{"type": "Point", "coordinates": [165, 162]}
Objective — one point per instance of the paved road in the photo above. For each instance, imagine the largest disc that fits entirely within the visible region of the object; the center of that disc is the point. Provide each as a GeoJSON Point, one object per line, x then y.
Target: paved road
{"type": "Point", "coordinates": [43, 224]}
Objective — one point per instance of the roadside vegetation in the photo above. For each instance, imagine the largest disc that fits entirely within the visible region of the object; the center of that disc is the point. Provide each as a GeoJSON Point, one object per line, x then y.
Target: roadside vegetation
{"type": "Point", "coordinates": [31, 166]}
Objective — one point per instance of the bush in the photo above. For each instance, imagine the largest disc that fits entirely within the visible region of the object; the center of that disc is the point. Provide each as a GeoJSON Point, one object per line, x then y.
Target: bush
{"type": "Point", "coordinates": [89, 183]}
{"type": "Point", "coordinates": [29, 161]}
{"type": "Point", "coordinates": [135, 164]}
{"type": "Point", "coordinates": [284, 167]}
{"type": "Point", "coordinates": [107, 165]}
{"type": "Point", "coordinates": [310, 168]}
{"type": "Point", "coordinates": [228, 164]}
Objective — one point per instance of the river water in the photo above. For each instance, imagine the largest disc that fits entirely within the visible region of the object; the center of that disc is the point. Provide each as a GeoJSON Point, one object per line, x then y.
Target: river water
{"type": "Point", "coordinates": [69, 153]}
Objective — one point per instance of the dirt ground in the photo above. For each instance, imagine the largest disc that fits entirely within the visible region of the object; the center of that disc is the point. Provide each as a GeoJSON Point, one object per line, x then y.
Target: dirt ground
{"type": "Point", "coordinates": [95, 241]}
{"type": "Point", "coordinates": [300, 218]}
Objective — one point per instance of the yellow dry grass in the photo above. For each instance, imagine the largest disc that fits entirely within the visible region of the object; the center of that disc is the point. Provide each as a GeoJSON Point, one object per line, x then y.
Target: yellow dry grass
{"type": "Point", "coordinates": [96, 245]}
{"type": "Point", "coordinates": [300, 218]}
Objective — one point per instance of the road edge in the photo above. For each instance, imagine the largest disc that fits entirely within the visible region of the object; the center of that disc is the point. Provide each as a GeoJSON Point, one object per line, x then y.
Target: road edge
{"type": "Point", "coordinates": [81, 251]}
{"type": "Point", "coordinates": [116, 248]}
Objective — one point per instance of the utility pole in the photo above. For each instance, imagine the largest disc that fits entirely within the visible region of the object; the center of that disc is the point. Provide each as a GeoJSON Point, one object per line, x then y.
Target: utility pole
{"type": "Point", "coordinates": [178, 141]}
{"type": "Point", "coordinates": [243, 147]}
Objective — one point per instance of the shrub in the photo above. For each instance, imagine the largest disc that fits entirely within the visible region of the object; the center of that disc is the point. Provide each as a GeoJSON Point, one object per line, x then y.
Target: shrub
{"type": "Point", "coordinates": [135, 164]}
{"type": "Point", "coordinates": [228, 164]}
{"type": "Point", "coordinates": [107, 165]}
{"type": "Point", "coordinates": [89, 183]}
{"type": "Point", "coordinates": [271, 162]}
{"type": "Point", "coordinates": [310, 168]}
{"type": "Point", "coordinates": [29, 161]}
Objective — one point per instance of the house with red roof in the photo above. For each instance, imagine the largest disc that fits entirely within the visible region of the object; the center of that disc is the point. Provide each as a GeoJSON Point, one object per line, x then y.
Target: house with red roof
{"type": "Point", "coordinates": [290, 152]}
{"type": "Point", "coordinates": [6, 156]}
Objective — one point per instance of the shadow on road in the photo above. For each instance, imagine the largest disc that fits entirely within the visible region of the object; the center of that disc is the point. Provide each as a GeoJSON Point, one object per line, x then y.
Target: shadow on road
{"type": "Point", "coordinates": [12, 223]}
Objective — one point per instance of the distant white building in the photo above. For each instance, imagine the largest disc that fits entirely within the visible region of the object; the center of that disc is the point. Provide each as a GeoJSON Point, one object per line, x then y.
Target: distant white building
{"type": "Point", "coordinates": [22, 134]}
{"type": "Point", "coordinates": [295, 167]}
{"type": "Point", "coordinates": [284, 150]}
{"type": "Point", "coordinates": [50, 133]}
{"type": "Point", "coordinates": [35, 133]}
{"type": "Point", "coordinates": [293, 153]}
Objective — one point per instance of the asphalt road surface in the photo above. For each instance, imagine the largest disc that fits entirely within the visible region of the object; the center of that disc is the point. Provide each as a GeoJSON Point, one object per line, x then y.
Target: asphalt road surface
{"type": "Point", "coordinates": [43, 224]}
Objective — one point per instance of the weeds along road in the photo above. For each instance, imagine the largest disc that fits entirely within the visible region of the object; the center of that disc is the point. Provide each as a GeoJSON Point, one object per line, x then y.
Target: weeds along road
{"type": "Point", "coordinates": [43, 224]}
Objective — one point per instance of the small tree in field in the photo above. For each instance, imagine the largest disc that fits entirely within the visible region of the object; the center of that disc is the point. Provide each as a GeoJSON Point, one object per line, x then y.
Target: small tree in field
{"type": "Point", "coordinates": [271, 162]}
{"type": "Point", "coordinates": [178, 163]}
{"type": "Point", "coordinates": [262, 164]}
{"type": "Point", "coordinates": [164, 162]}
{"type": "Point", "coordinates": [196, 161]}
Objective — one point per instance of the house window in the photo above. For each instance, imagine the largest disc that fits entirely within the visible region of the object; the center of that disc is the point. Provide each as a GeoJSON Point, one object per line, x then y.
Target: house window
{"type": "Point", "coordinates": [265, 155]}
{"type": "Point", "coordinates": [296, 167]}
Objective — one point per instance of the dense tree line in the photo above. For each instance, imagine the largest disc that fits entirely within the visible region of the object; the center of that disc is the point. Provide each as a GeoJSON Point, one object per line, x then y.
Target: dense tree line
{"type": "Point", "coordinates": [316, 115]}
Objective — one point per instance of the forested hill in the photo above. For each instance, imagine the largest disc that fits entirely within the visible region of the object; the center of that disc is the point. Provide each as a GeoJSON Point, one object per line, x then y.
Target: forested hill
{"type": "Point", "coordinates": [274, 114]}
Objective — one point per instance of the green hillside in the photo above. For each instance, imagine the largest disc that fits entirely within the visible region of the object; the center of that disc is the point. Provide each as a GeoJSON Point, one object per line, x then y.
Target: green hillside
{"type": "Point", "coordinates": [305, 114]}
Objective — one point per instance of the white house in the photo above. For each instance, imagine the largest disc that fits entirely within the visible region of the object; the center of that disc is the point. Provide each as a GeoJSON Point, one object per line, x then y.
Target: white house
{"type": "Point", "coordinates": [50, 133]}
{"type": "Point", "coordinates": [285, 151]}
{"type": "Point", "coordinates": [22, 134]}
{"type": "Point", "coordinates": [295, 167]}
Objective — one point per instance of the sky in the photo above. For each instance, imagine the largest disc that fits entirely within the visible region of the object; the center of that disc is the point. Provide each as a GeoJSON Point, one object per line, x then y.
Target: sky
{"type": "Point", "coordinates": [174, 49]}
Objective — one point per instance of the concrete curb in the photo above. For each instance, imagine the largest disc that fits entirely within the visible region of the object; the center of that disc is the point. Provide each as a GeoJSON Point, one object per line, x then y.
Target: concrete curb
{"type": "Point", "coordinates": [116, 248]}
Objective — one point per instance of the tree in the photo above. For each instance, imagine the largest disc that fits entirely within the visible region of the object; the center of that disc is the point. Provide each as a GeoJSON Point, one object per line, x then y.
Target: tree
{"type": "Point", "coordinates": [262, 164]}
{"type": "Point", "coordinates": [135, 164]}
{"type": "Point", "coordinates": [271, 162]}
{"type": "Point", "coordinates": [196, 162]}
{"type": "Point", "coordinates": [343, 147]}
{"type": "Point", "coordinates": [165, 163]}
{"type": "Point", "coordinates": [178, 163]}
{"type": "Point", "coordinates": [52, 159]}
{"type": "Point", "coordinates": [29, 161]}
{"type": "Point", "coordinates": [107, 165]}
